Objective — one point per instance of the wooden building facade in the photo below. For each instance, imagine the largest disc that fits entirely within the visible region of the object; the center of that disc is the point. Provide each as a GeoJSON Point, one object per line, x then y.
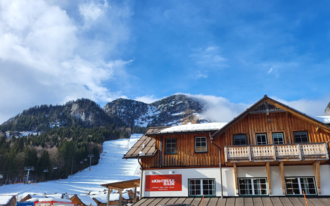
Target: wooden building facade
{"type": "Point", "coordinates": [271, 147]}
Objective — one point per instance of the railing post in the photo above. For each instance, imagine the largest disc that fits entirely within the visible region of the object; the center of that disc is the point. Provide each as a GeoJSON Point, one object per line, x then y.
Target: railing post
{"type": "Point", "coordinates": [326, 150]}
{"type": "Point", "coordinates": [299, 150]}
{"type": "Point", "coordinates": [274, 152]}
{"type": "Point", "coordinates": [249, 150]}
{"type": "Point", "coordinates": [226, 159]}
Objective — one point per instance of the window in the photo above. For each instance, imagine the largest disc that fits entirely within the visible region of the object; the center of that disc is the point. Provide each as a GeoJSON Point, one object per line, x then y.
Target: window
{"type": "Point", "coordinates": [252, 186]}
{"type": "Point", "coordinates": [240, 139]}
{"type": "Point", "coordinates": [278, 138]}
{"type": "Point", "coordinates": [296, 185]}
{"type": "Point", "coordinates": [200, 144]}
{"type": "Point", "coordinates": [300, 137]}
{"type": "Point", "coordinates": [261, 139]}
{"type": "Point", "coordinates": [199, 187]}
{"type": "Point", "coordinates": [170, 146]}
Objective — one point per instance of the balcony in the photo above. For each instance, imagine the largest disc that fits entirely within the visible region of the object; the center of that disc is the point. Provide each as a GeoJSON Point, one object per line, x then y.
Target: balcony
{"type": "Point", "coordinates": [268, 153]}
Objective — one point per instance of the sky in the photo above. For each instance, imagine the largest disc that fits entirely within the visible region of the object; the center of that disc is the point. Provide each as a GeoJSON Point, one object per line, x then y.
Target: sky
{"type": "Point", "coordinates": [231, 53]}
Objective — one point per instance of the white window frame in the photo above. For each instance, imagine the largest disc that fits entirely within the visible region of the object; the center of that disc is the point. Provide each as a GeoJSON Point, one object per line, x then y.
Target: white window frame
{"type": "Point", "coordinates": [252, 186]}
{"type": "Point", "coordinates": [201, 187]}
{"type": "Point", "coordinates": [299, 185]}
{"type": "Point", "coordinates": [200, 146]}
{"type": "Point", "coordinates": [261, 137]}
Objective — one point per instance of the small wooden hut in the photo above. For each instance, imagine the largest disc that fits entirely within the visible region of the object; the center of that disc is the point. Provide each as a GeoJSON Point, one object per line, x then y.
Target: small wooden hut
{"type": "Point", "coordinates": [7, 200]}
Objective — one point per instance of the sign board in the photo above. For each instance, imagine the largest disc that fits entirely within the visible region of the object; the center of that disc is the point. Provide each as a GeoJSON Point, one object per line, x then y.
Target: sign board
{"type": "Point", "coordinates": [163, 183]}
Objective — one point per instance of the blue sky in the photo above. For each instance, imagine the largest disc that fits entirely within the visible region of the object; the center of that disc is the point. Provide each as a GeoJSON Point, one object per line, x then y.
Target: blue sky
{"type": "Point", "coordinates": [55, 51]}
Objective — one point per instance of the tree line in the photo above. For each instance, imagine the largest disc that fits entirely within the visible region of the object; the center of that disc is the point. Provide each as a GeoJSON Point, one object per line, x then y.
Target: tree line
{"type": "Point", "coordinates": [63, 148]}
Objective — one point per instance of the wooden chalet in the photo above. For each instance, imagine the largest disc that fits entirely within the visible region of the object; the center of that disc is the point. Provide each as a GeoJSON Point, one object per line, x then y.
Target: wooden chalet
{"type": "Point", "coordinates": [269, 150]}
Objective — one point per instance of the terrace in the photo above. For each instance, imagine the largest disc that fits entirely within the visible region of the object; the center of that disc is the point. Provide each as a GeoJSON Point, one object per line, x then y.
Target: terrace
{"type": "Point", "coordinates": [284, 152]}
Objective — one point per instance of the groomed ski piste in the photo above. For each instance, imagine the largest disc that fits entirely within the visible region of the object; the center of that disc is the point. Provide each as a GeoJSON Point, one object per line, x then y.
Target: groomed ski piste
{"type": "Point", "coordinates": [111, 168]}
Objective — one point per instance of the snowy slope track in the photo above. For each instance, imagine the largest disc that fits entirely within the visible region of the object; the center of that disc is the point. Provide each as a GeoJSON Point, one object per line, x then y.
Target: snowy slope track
{"type": "Point", "coordinates": [111, 168]}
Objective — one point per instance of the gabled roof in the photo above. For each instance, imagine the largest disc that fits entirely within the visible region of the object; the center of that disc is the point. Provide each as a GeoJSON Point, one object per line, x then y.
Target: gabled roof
{"type": "Point", "coordinates": [144, 147]}
{"type": "Point", "coordinates": [122, 184]}
{"type": "Point", "coordinates": [188, 128]}
{"type": "Point", "coordinates": [267, 104]}
{"type": "Point", "coordinates": [85, 199]}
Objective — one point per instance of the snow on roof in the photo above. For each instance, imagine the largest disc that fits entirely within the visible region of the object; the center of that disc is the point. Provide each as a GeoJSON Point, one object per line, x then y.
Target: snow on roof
{"type": "Point", "coordinates": [194, 127]}
{"type": "Point", "coordinates": [87, 200]}
{"type": "Point", "coordinates": [53, 199]}
{"type": "Point", "coordinates": [33, 199]}
{"type": "Point", "coordinates": [103, 197]}
{"type": "Point", "coordinates": [4, 199]}
{"type": "Point", "coordinates": [55, 195]}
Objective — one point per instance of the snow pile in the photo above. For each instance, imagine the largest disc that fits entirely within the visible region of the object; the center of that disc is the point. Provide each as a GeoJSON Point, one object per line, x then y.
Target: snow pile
{"type": "Point", "coordinates": [111, 168]}
{"type": "Point", "coordinates": [4, 199]}
{"type": "Point", "coordinates": [195, 127]}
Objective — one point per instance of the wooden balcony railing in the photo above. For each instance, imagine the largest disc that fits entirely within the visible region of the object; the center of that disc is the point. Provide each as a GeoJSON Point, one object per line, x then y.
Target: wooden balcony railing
{"type": "Point", "coordinates": [285, 152]}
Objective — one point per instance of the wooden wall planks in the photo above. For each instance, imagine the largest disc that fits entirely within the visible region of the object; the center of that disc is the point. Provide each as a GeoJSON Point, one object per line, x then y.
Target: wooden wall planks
{"type": "Point", "coordinates": [249, 125]}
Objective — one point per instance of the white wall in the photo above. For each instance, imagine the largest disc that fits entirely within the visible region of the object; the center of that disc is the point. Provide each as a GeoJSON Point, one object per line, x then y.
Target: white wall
{"type": "Point", "coordinates": [229, 180]}
{"type": "Point", "coordinates": [325, 180]}
{"type": "Point", "coordinates": [213, 173]}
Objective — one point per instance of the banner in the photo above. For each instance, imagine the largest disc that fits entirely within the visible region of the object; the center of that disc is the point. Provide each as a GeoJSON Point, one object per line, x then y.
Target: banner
{"type": "Point", "coordinates": [163, 183]}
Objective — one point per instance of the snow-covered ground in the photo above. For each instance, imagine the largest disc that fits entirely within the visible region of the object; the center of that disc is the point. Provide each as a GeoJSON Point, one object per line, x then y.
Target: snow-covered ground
{"type": "Point", "coordinates": [111, 168]}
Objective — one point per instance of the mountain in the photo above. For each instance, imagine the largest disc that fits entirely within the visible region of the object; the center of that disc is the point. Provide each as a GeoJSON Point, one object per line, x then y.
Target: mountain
{"type": "Point", "coordinates": [327, 110]}
{"type": "Point", "coordinates": [82, 112]}
{"type": "Point", "coordinates": [173, 110]}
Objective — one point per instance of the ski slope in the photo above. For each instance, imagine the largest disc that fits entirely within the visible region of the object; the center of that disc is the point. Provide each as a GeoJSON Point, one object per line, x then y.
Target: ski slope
{"type": "Point", "coordinates": [111, 168]}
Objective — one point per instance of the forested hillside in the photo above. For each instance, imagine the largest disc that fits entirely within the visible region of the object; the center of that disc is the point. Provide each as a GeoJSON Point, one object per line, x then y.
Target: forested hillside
{"type": "Point", "coordinates": [65, 136]}
{"type": "Point", "coordinates": [61, 148]}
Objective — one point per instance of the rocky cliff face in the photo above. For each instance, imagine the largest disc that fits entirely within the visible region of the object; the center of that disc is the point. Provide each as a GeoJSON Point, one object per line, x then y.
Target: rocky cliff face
{"type": "Point", "coordinates": [173, 110]}
{"type": "Point", "coordinates": [327, 110]}
{"type": "Point", "coordinates": [82, 112]}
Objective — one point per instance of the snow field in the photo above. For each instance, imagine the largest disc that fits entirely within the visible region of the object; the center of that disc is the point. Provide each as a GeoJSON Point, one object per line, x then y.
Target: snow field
{"type": "Point", "coordinates": [111, 168]}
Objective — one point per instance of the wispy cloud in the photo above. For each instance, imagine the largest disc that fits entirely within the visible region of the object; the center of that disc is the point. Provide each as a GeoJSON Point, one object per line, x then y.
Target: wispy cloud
{"type": "Point", "coordinates": [270, 70]}
{"type": "Point", "coordinates": [92, 10]}
{"type": "Point", "coordinates": [206, 60]}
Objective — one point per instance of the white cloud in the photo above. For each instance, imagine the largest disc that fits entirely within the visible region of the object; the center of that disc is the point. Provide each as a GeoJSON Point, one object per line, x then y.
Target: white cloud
{"type": "Point", "coordinates": [44, 58]}
{"type": "Point", "coordinates": [147, 99]}
{"type": "Point", "coordinates": [313, 108]}
{"type": "Point", "coordinates": [92, 11]}
{"type": "Point", "coordinates": [270, 70]}
{"type": "Point", "coordinates": [220, 109]}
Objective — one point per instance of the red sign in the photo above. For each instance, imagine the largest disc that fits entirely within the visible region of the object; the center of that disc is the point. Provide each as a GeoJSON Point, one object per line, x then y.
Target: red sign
{"type": "Point", "coordinates": [163, 183]}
